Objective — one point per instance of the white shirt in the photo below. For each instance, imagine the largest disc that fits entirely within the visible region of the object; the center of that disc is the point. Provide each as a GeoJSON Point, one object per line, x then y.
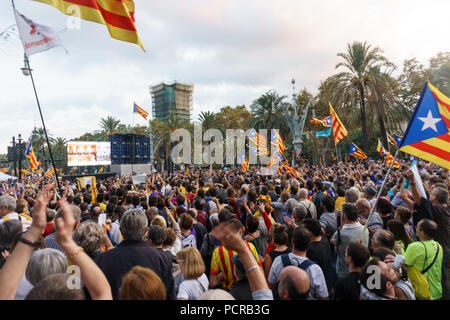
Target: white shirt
{"type": "Point", "coordinates": [318, 286]}
{"type": "Point", "coordinates": [15, 216]}
{"type": "Point", "coordinates": [115, 232]}
{"type": "Point", "coordinates": [192, 289]}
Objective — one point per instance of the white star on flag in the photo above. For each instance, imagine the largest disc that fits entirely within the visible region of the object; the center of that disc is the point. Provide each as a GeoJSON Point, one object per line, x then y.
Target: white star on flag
{"type": "Point", "coordinates": [429, 121]}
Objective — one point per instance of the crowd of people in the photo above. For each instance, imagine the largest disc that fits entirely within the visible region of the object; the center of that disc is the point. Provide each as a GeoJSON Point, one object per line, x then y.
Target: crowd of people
{"type": "Point", "coordinates": [330, 233]}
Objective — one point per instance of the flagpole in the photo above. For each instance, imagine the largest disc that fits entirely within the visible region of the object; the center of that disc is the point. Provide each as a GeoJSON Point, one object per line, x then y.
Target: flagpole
{"type": "Point", "coordinates": [379, 194]}
{"type": "Point", "coordinates": [27, 62]}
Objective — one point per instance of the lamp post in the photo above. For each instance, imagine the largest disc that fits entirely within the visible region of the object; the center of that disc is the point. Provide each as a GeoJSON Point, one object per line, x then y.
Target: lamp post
{"type": "Point", "coordinates": [296, 123]}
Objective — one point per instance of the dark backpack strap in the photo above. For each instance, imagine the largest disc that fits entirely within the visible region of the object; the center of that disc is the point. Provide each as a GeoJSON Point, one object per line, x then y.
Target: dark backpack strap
{"type": "Point", "coordinates": [285, 260]}
{"type": "Point", "coordinates": [305, 264]}
{"type": "Point", "coordinates": [435, 257]}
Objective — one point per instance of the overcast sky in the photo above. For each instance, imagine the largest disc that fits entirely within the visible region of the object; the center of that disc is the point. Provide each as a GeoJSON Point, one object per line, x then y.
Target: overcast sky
{"type": "Point", "coordinates": [232, 51]}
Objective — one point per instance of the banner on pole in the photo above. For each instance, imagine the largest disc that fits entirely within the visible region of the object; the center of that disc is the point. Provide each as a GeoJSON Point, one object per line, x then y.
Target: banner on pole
{"type": "Point", "coordinates": [35, 37]}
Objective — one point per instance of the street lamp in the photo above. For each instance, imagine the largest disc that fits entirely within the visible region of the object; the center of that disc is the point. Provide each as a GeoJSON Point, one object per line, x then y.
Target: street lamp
{"type": "Point", "coordinates": [26, 68]}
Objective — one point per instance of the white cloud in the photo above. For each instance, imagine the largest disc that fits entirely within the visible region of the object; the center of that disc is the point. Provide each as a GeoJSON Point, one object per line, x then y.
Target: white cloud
{"type": "Point", "coordinates": [232, 51]}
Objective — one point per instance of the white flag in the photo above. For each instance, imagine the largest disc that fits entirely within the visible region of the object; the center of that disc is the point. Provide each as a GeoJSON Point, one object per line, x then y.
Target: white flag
{"type": "Point", "coordinates": [35, 37]}
{"type": "Point", "coordinates": [418, 180]}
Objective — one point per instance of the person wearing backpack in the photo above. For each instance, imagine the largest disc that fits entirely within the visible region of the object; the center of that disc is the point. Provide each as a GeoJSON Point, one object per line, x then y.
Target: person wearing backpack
{"type": "Point", "coordinates": [424, 261]}
{"type": "Point", "coordinates": [301, 238]}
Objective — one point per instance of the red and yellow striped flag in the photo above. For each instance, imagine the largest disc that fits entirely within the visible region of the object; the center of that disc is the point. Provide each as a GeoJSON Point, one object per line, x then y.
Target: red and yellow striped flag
{"type": "Point", "coordinates": [142, 112]}
{"type": "Point", "coordinates": [339, 131]}
{"type": "Point", "coordinates": [391, 140]}
{"type": "Point", "coordinates": [386, 155]}
{"type": "Point", "coordinates": [116, 15]}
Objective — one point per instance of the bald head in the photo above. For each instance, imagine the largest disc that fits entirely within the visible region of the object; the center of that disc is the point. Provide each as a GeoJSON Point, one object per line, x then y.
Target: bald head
{"type": "Point", "coordinates": [294, 284]}
{"type": "Point", "coordinates": [302, 193]}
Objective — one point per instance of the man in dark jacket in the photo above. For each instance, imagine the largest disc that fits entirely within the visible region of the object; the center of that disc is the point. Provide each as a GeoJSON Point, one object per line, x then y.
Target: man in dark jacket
{"type": "Point", "coordinates": [134, 251]}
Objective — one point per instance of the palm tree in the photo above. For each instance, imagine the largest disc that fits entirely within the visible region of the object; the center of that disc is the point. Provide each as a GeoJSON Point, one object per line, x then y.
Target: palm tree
{"type": "Point", "coordinates": [208, 120]}
{"type": "Point", "coordinates": [268, 113]}
{"type": "Point", "coordinates": [59, 147]}
{"type": "Point", "coordinates": [361, 61]}
{"type": "Point", "coordinates": [109, 125]}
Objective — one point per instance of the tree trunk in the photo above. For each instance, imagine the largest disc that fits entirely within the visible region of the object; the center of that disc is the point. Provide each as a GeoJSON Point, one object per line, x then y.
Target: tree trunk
{"type": "Point", "coordinates": [363, 117]}
{"type": "Point", "coordinates": [380, 111]}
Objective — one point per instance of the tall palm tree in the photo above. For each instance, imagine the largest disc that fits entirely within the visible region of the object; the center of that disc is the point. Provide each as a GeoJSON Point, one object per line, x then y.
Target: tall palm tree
{"type": "Point", "coordinates": [361, 62]}
{"type": "Point", "coordinates": [208, 120]}
{"type": "Point", "coordinates": [384, 101]}
{"type": "Point", "coordinates": [110, 125]}
{"type": "Point", "coordinates": [268, 113]}
{"type": "Point", "coordinates": [59, 147]}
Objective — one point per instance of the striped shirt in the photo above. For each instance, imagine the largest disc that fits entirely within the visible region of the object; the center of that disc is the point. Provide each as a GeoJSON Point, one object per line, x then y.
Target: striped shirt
{"type": "Point", "coordinates": [50, 242]}
{"type": "Point", "coordinates": [221, 262]}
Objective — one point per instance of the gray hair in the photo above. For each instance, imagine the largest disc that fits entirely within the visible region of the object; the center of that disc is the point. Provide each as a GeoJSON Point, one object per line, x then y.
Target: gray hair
{"type": "Point", "coordinates": [303, 193]}
{"type": "Point", "coordinates": [351, 195]}
{"type": "Point", "coordinates": [153, 211]}
{"type": "Point", "coordinates": [290, 204]}
{"type": "Point", "coordinates": [8, 231]}
{"type": "Point", "coordinates": [90, 236]}
{"type": "Point", "coordinates": [9, 202]}
{"type": "Point", "coordinates": [133, 224]}
{"type": "Point", "coordinates": [299, 212]}
{"type": "Point", "coordinates": [43, 263]}
{"type": "Point", "coordinates": [76, 212]}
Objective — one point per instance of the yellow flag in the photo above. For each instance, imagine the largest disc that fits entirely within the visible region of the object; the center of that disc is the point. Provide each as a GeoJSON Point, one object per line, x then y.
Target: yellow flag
{"type": "Point", "coordinates": [84, 181]}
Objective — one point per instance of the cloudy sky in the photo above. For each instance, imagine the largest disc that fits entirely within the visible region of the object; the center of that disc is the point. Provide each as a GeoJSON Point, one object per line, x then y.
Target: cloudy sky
{"type": "Point", "coordinates": [232, 51]}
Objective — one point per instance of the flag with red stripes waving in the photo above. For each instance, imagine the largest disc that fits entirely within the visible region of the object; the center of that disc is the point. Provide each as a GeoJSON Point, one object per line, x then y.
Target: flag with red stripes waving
{"type": "Point", "coordinates": [142, 112]}
{"type": "Point", "coordinates": [428, 133]}
{"type": "Point", "coordinates": [339, 131]}
{"type": "Point", "coordinates": [117, 16]}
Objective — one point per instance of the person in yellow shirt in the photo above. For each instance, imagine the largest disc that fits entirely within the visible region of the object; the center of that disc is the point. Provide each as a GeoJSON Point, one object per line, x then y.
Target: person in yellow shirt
{"type": "Point", "coordinates": [340, 200]}
{"type": "Point", "coordinates": [221, 264]}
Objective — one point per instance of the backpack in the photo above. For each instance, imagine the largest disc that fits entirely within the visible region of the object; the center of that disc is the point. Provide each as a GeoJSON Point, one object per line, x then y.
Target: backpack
{"type": "Point", "coordinates": [418, 281]}
{"type": "Point", "coordinates": [287, 262]}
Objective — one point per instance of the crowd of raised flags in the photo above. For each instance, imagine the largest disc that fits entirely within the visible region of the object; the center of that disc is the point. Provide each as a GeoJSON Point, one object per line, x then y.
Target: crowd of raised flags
{"type": "Point", "coordinates": [427, 135]}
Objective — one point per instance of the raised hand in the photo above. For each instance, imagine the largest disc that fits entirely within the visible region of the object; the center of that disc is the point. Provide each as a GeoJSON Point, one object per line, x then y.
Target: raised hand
{"type": "Point", "coordinates": [65, 224]}
{"type": "Point", "coordinates": [40, 207]}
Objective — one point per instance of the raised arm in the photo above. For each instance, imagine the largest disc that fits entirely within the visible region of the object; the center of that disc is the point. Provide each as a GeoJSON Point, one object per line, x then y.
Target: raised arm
{"type": "Point", "coordinates": [415, 191]}
{"type": "Point", "coordinates": [91, 275]}
{"type": "Point", "coordinates": [233, 241]}
{"type": "Point", "coordinates": [14, 268]}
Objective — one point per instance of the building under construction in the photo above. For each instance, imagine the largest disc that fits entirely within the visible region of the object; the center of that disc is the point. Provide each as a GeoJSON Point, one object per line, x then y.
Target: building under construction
{"type": "Point", "coordinates": [175, 98]}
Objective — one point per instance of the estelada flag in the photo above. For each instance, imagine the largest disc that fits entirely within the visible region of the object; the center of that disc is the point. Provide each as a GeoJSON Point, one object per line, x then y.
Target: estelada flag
{"type": "Point", "coordinates": [391, 140]}
{"type": "Point", "coordinates": [339, 131]}
{"type": "Point", "coordinates": [142, 112]}
{"type": "Point", "coordinates": [357, 152]}
{"type": "Point", "coordinates": [274, 159]}
{"type": "Point", "coordinates": [398, 139]}
{"type": "Point", "coordinates": [260, 142]}
{"type": "Point", "coordinates": [428, 133]}
{"type": "Point", "coordinates": [386, 155]}
{"type": "Point", "coordinates": [277, 141]}
{"type": "Point", "coordinates": [29, 153]}
{"type": "Point", "coordinates": [116, 15]}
